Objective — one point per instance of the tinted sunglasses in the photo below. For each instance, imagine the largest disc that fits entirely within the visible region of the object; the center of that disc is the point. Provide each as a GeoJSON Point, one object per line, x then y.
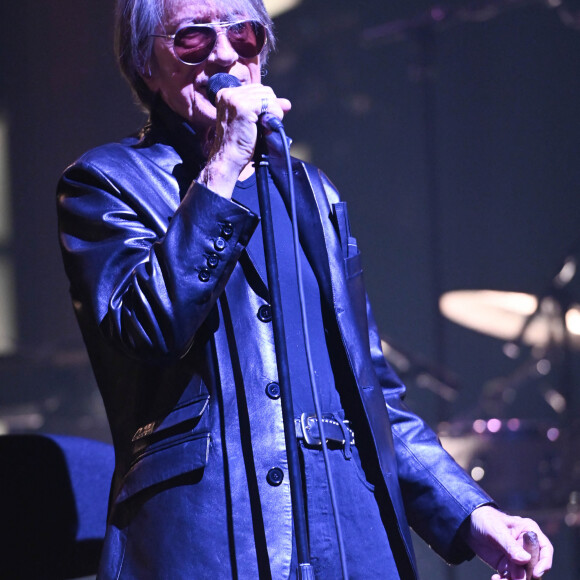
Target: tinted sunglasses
{"type": "Point", "coordinates": [193, 43]}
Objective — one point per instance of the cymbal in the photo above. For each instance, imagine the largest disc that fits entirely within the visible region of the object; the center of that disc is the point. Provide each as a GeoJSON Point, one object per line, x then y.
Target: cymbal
{"type": "Point", "coordinates": [504, 314]}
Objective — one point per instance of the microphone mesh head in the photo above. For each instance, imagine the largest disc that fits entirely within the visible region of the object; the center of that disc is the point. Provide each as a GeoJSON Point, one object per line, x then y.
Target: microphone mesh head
{"type": "Point", "coordinates": [220, 81]}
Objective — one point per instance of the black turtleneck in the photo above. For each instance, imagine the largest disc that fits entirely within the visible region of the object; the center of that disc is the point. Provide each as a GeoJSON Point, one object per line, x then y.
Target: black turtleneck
{"type": "Point", "coordinates": [246, 193]}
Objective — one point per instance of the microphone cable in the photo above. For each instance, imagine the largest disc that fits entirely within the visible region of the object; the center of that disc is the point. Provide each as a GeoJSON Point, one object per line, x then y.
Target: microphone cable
{"type": "Point", "coordinates": [305, 331]}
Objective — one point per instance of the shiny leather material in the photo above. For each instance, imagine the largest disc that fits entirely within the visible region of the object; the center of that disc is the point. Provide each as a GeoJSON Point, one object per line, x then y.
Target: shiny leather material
{"type": "Point", "coordinates": [196, 436]}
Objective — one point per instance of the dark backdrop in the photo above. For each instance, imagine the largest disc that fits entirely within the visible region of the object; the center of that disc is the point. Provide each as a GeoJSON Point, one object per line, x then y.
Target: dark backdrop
{"type": "Point", "coordinates": [455, 144]}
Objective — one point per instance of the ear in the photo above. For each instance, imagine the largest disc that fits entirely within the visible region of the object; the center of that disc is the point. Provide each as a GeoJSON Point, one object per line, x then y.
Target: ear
{"type": "Point", "coordinates": [148, 77]}
{"type": "Point", "coordinates": [146, 74]}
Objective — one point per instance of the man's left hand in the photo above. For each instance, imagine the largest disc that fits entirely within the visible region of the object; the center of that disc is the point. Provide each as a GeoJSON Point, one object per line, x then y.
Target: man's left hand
{"type": "Point", "coordinates": [498, 539]}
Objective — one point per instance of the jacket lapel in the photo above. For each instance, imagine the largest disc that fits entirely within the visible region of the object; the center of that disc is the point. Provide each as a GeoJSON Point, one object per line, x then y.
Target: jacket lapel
{"type": "Point", "coordinates": [319, 243]}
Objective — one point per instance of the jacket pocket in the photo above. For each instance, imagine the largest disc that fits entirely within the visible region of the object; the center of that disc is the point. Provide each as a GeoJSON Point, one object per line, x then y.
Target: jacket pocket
{"type": "Point", "coordinates": [357, 294]}
{"type": "Point", "coordinates": [167, 448]}
{"type": "Point", "coordinates": [352, 269]}
{"type": "Point", "coordinates": [186, 414]}
{"type": "Point", "coordinates": [353, 266]}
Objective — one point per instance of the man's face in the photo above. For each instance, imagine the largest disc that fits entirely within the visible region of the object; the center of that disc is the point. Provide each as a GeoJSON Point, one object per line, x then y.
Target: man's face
{"type": "Point", "coordinates": [182, 86]}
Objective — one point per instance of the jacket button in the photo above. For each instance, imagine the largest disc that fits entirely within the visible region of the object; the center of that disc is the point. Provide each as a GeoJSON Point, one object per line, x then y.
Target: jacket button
{"type": "Point", "coordinates": [273, 391]}
{"type": "Point", "coordinates": [219, 244]}
{"type": "Point", "coordinates": [204, 275]}
{"type": "Point", "coordinates": [275, 476]}
{"type": "Point", "coordinates": [227, 230]}
{"type": "Point", "coordinates": [265, 313]}
{"type": "Point", "coordinates": [212, 260]}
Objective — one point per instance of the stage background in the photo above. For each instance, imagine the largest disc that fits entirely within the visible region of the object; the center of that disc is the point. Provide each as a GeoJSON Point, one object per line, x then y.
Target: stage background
{"type": "Point", "coordinates": [455, 139]}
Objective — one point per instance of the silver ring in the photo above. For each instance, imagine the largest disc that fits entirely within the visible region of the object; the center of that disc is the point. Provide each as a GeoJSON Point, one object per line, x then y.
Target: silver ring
{"type": "Point", "coordinates": [265, 104]}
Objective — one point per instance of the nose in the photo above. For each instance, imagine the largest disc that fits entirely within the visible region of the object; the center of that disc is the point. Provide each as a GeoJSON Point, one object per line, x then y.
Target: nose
{"type": "Point", "coordinates": [223, 52]}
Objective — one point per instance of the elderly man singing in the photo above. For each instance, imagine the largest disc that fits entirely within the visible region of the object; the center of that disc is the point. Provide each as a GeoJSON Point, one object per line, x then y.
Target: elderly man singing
{"type": "Point", "coordinates": [169, 281]}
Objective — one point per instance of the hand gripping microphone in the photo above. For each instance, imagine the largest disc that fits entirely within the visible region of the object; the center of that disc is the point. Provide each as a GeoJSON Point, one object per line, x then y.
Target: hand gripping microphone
{"type": "Point", "coordinates": [222, 81]}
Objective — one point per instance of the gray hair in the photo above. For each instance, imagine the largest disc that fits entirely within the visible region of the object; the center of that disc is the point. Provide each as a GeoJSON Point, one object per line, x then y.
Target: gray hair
{"type": "Point", "coordinates": [137, 20]}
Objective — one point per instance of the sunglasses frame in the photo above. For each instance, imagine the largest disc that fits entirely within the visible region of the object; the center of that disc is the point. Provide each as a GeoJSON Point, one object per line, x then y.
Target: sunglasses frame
{"type": "Point", "coordinates": [218, 28]}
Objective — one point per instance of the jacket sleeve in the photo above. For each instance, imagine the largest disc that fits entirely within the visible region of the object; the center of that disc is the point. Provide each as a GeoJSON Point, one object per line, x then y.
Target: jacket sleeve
{"type": "Point", "coordinates": [438, 494]}
{"type": "Point", "coordinates": [149, 267]}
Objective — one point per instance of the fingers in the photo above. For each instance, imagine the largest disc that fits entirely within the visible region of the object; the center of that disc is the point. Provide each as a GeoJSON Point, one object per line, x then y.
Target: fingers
{"type": "Point", "coordinates": [504, 576]}
{"type": "Point", "coordinates": [507, 569]}
{"type": "Point", "coordinates": [285, 104]}
{"type": "Point", "coordinates": [528, 544]}
{"type": "Point", "coordinates": [539, 556]}
{"type": "Point", "coordinates": [541, 551]}
{"type": "Point", "coordinates": [231, 146]}
{"type": "Point", "coordinates": [514, 546]}
{"type": "Point", "coordinates": [511, 540]}
{"type": "Point", "coordinates": [546, 556]}
{"type": "Point", "coordinates": [252, 100]}
{"type": "Point", "coordinates": [532, 546]}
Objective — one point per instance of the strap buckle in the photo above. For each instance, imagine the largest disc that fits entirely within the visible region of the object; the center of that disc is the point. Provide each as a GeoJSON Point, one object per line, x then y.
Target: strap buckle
{"type": "Point", "coordinates": [309, 430]}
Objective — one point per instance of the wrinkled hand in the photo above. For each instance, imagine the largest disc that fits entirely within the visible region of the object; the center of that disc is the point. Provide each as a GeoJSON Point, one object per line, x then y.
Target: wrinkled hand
{"type": "Point", "coordinates": [498, 539]}
{"type": "Point", "coordinates": [236, 131]}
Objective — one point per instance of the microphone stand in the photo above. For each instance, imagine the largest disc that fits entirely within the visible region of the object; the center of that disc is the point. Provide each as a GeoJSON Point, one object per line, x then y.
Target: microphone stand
{"type": "Point", "coordinates": [305, 570]}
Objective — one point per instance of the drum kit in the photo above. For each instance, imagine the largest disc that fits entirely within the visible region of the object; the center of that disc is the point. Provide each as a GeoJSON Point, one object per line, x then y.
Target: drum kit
{"type": "Point", "coordinates": [529, 462]}
{"type": "Point", "coordinates": [528, 465]}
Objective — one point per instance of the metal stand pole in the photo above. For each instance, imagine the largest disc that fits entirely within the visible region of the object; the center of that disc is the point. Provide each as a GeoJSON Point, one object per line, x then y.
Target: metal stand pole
{"type": "Point", "coordinates": [305, 570]}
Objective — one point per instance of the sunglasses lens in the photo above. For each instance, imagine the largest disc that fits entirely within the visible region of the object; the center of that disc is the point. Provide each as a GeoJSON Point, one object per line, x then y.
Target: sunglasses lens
{"type": "Point", "coordinates": [247, 38]}
{"type": "Point", "coordinates": [193, 44]}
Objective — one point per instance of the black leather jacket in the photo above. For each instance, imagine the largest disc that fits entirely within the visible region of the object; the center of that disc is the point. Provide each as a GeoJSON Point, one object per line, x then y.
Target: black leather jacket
{"type": "Point", "coordinates": [149, 253]}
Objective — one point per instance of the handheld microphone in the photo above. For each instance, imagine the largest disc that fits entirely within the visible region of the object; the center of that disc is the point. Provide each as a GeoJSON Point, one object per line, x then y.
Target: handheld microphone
{"type": "Point", "coordinates": [222, 81]}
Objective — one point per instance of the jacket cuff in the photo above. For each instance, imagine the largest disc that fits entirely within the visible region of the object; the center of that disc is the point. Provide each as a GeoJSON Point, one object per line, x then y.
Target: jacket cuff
{"type": "Point", "coordinates": [228, 209]}
{"type": "Point", "coordinates": [460, 550]}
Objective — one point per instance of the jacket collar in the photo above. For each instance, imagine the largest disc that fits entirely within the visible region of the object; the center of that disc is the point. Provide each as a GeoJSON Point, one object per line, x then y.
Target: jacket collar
{"type": "Point", "coordinates": [167, 127]}
{"type": "Point", "coordinates": [313, 209]}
